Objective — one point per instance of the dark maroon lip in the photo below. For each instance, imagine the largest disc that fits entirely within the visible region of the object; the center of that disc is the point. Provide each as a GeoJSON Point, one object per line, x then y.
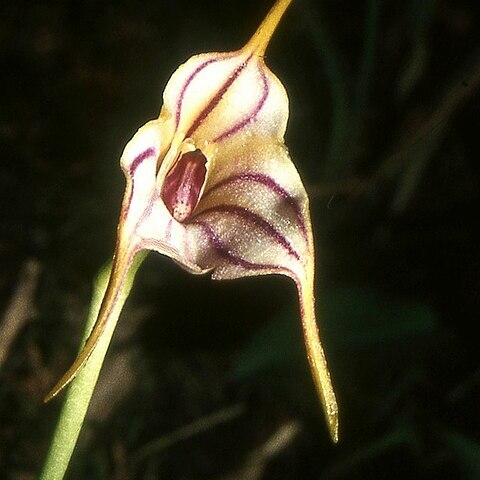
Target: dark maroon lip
{"type": "Point", "coordinates": [183, 185]}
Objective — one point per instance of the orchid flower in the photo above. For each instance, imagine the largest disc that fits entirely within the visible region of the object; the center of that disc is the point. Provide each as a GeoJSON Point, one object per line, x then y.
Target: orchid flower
{"type": "Point", "coordinates": [210, 183]}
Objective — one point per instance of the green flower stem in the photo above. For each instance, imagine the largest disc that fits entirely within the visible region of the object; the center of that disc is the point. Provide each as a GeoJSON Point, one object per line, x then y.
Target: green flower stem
{"type": "Point", "coordinates": [81, 390]}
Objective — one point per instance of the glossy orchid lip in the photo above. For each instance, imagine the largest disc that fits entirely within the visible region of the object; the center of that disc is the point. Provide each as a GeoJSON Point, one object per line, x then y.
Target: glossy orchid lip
{"type": "Point", "coordinates": [210, 183]}
{"type": "Point", "coordinates": [183, 184]}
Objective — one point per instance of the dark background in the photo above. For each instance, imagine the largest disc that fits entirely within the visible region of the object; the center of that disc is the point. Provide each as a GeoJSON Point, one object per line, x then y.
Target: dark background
{"type": "Point", "coordinates": [384, 129]}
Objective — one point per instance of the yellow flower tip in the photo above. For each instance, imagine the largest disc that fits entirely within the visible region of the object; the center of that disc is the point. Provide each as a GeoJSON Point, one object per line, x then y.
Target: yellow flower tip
{"type": "Point", "coordinates": [316, 355]}
{"type": "Point", "coordinates": [261, 38]}
{"type": "Point", "coordinates": [334, 430]}
{"type": "Point", "coordinates": [332, 420]}
{"type": "Point", "coordinates": [330, 408]}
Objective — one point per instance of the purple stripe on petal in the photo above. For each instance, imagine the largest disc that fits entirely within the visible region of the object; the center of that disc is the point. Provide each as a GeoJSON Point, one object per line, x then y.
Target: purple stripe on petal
{"type": "Point", "coordinates": [270, 183]}
{"type": "Point", "coordinates": [224, 251]}
{"type": "Point", "coordinates": [185, 86]}
{"type": "Point", "coordinates": [216, 98]}
{"type": "Point", "coordinates": [251, 116]}
{"type": "Point", "coordinates": [149, 152]}
{"type": "Point", "coordinates": [257, 220]}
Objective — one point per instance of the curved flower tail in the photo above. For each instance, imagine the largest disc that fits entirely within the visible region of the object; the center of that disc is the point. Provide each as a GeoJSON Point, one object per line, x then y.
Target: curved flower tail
{"type": "Point", "coordinates": [316, 357]}
{"type": "Point", "coordinates": [120, 267]}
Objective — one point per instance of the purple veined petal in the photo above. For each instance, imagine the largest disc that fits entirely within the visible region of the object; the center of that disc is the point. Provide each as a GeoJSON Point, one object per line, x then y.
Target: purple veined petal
{"type": "Point", "coordinates": [245, 98]}
{"type": "Point", "coordinates": [189, 79]}
{"type": "Point", "coordinates": [205, 114]}
{"type": "Point", "coordinates": [222, 255]}
{"type": "Point", "coordinates": [186, 92]}
{"type": "Point", "coordinates": [248, 180]}
{"type": "Point", "coordinates": [250, 101]}
{"type": "Point", "coordinates": [256, 205]}
{"type": "Point", "coordinates": [248, 218]}
{"type": "Point", "coordinates": [261, 179]}
{"type": "Point", "coordinates": [251, 114]}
